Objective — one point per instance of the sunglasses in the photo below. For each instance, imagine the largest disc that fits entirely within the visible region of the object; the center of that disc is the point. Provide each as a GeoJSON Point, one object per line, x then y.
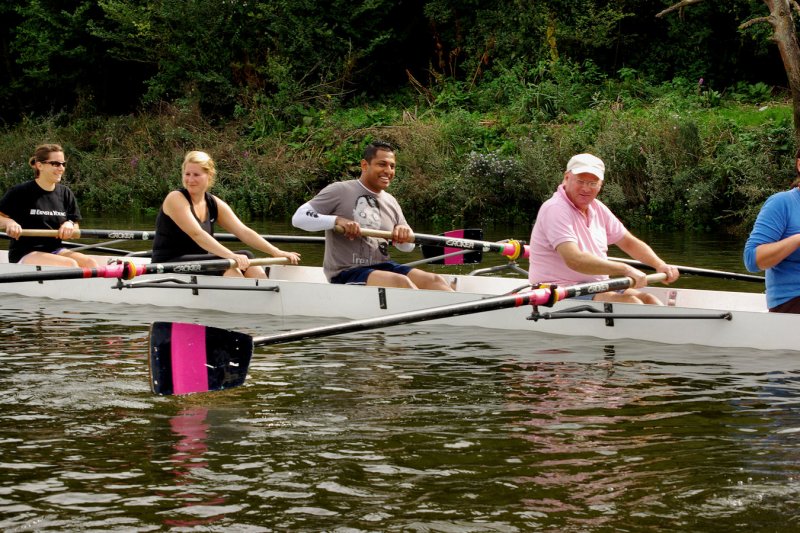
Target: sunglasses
{"type": "Point", "coordinates": [55, 163]}
{"type": "Point", "coordinates": [590, 184]}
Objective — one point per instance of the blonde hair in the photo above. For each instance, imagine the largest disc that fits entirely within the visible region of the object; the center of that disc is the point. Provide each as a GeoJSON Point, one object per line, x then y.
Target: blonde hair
{"type": "Point", "coordinates": [205, 162]}
{"type": "Point", "coordinates": [42, 154]}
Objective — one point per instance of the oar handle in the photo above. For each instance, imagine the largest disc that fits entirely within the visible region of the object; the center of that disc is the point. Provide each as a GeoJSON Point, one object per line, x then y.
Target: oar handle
{"type": "Point", "coordinates": [511, 249]}
{"type": "Point", "coordinates": [261, 261]}
{"type": "Point", "coordinates": [696, 271]}
{"type": "Point", "coordinates": [46, 233]}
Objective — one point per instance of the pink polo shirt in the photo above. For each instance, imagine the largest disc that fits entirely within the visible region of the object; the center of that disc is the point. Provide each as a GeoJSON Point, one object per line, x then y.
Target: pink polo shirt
{"type": "Point", "coordinates": [559, 221]}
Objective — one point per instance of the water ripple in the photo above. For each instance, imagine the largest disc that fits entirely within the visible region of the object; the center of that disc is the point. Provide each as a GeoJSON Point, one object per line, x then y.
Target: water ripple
{"type": "Point", "coordinates": [408, 429]}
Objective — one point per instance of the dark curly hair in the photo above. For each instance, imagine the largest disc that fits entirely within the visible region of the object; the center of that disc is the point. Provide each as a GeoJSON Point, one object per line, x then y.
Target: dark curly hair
{"type": "Point", "coordinates": [374, 147]}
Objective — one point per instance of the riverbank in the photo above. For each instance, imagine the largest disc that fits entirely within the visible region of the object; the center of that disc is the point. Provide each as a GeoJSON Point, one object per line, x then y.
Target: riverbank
{"type": "Point", "coordinates": [675, 160]}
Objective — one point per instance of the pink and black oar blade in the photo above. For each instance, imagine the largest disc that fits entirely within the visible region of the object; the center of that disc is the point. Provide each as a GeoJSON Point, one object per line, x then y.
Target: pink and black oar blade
{"type": "Point", "coordinates": [435, 250]}
{"type": "Point", "coordinates": [186, 358]}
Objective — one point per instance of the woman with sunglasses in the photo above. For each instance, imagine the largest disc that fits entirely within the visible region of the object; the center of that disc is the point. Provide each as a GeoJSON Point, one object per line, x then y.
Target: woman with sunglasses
{"type": "Point", "coordinates": [43, 203]}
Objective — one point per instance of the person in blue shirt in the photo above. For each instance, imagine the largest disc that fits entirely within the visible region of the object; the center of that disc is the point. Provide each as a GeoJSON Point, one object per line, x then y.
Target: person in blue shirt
{"type": "Point", "coordinates": [774, 246]}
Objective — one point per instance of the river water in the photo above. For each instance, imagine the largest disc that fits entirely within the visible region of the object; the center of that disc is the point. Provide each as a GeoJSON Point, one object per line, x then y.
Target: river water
{"type": "Point", "coordinates": [412, 428]}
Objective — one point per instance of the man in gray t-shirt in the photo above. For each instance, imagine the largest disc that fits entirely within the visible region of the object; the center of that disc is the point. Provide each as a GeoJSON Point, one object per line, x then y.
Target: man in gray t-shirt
{"type": "Point", "coordinates": [364, 203]}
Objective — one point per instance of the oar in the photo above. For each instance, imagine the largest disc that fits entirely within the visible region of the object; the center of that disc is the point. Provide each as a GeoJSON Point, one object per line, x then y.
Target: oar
{"type": "Point", "coordinates": [452, 258]}
{"type": "Point", "coordinates": [99, 248]}
{"type": "Point", "coordinates": [186, 358]}
{"type": "Point", "coordinates": [132, 235]}
{"type": "Point", "coordinates": [95, 246]}
{"type": "Point", "coordinates": [129, 270]}
{"type": "Point", "coordinates": [512, 249]}
{"type": "Point", "coordinates": [437, 254]}
{"type": "Point", "coordinates": [697, 271]}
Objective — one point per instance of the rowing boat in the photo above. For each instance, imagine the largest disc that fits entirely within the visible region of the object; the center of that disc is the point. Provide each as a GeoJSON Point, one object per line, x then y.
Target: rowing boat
{"type": "Point", "coordinates": [710, 318]}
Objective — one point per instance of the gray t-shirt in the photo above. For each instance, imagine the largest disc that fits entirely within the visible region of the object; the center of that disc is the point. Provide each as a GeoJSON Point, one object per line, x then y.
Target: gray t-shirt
{"type": "Point", "coordinates": [350, 199]}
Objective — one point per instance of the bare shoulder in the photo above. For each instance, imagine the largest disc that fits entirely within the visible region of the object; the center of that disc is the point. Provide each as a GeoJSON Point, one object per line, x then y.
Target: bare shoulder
{"type": "Point", "coordinates": [173, 202]}
{"type": "Point", "coordinates": [174, 196]}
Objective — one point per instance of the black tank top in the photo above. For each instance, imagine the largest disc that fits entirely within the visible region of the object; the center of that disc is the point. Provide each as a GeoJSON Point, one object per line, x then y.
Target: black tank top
{"type": "Point", "coordinates": [170, 241]}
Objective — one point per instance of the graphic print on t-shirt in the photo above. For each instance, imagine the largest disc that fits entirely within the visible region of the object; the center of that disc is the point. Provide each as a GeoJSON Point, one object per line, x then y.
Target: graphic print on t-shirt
{"type": "Point", "coordinates": [367, 212]}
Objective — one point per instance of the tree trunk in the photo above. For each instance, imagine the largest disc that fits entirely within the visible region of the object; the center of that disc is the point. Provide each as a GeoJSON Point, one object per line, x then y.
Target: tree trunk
{"type": "Point", "coordinates": [784, 34]}
{"type": "Point", "coordinates": [786, 38]}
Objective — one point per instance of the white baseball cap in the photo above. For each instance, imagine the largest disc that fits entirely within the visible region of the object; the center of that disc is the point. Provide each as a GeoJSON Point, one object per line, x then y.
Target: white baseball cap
{"type": "Point", "coordinates": [582, 163]}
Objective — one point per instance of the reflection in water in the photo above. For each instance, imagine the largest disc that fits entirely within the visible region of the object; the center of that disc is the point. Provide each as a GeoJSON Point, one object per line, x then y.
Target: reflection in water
{"type": "Point", "coordinates": [615, 436]}
{"type": "Point", "coordinates": [408, 429]}
{"type": "Point", "coordinates": [573, 437]}
{"type": "Point", "coordinates": [191, 428]}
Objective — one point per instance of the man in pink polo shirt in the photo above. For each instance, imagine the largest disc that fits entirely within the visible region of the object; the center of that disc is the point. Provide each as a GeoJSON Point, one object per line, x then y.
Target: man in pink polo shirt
{"type": "Point", "coordinates": [569, 242]}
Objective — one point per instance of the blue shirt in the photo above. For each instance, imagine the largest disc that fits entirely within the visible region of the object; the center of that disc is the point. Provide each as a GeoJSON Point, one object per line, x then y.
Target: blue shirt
{"type": "Point", "coordinates": [778, 219]}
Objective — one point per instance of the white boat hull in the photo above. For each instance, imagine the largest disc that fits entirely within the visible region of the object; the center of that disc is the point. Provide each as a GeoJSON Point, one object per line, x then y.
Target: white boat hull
{"type": "Point", "coordinates": [303, 291]}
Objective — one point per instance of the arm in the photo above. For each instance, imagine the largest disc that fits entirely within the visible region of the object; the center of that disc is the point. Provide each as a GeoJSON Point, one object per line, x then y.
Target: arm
{"type": "Point", "coordinates": [308, 219]}
{"type": "Point", "coordinates": [66, 229]}
{"type": "Point", "coordinates": [178, 209]}
{"type": "Point", "coordinates": [228, 220]}
{"type": "Point", "coordinates": [590, 264]}
{"type": "Point", "coordinates": [770, 254]}
{"type": "Point", "coordinates": [587, 263]}
{"type": "Point", "coordinates": [72, 214]}
{"type": "Point", "coordinates": [641, 251]}
{"type": "Point", "coordinates": [403, 238]}
{"type": "Point", "coordinates": [768, 243]}
{"type": "Point", "coordinates": [11, 228]}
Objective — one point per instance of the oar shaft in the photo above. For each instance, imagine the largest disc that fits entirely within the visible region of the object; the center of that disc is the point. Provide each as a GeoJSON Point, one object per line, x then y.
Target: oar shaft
{"type": "Point", "coordinates": [195, 267]}
{"type": "Point", "coordinates": [298, 239]}
{"type": "Point", "coordinates": [696, 271]}
{"type": "Point", "coordinates": [128, 270]}
{"type": "Point", "coordinates": [103, 249]}
{"type": "Point", "coordinates": [187, 358]}
{"type": "Point", "coordinates": [533, 297]}
{"type": "Point", "coordinates": [510, 249]}
{"type": "Point", "coordinates": [437, 258]}
{"type": "Point", "coordinates": [131, 235]}
{"type": "Point", "coordinates": [117, 234]}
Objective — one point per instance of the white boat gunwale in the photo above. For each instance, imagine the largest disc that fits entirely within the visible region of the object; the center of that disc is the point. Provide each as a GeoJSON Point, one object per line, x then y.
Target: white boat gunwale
{"type": "Point", "coordinates": [303, 291]}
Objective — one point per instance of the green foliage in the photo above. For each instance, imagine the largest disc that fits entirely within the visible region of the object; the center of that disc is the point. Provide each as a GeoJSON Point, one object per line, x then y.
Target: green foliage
{"type": "Point", "coordinates": [748, 93]}
{"type": "Point", "coordinates": [760, 162]}
{"type": "Point", "coordinates": [266, 62]}
{"type": "Point", "coordinates": [484, 107]}
{"type": "Point", "coordinates": [49, 50]}
{"type": "Point", "coordinates": [672, 163]}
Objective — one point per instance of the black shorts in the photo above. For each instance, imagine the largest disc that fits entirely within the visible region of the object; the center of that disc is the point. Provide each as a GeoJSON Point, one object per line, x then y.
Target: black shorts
{"type": "Point", "coordinates": [359, 275]}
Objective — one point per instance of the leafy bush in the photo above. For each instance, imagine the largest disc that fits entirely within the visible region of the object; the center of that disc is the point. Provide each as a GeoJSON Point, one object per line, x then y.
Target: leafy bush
{"type": "Point", "coordinates": [756, 93]}
{"type": "Point", "coordinates": [671, 162]}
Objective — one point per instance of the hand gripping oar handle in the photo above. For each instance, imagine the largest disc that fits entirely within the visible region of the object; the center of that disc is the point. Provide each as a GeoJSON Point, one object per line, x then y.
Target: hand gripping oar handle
{"type": "Point", "coordinates": [186, 358]}
{"type": "Point", "coordinates": [696, 271]}
{"type": "Point", "coordinates": [512, 249]}
{"type": "Point", "coordinates": [126, 269]}
{"type": "Point", "coordinates": [131, 235]}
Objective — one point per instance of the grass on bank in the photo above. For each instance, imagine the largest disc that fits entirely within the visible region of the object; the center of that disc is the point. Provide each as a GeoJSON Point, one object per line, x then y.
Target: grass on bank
{"type": "Point", "coordinates": [677, 157]}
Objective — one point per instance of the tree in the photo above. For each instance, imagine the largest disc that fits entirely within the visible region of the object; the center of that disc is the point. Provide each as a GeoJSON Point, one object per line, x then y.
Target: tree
{"type": "Point", "coordinates": [784, 34]}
